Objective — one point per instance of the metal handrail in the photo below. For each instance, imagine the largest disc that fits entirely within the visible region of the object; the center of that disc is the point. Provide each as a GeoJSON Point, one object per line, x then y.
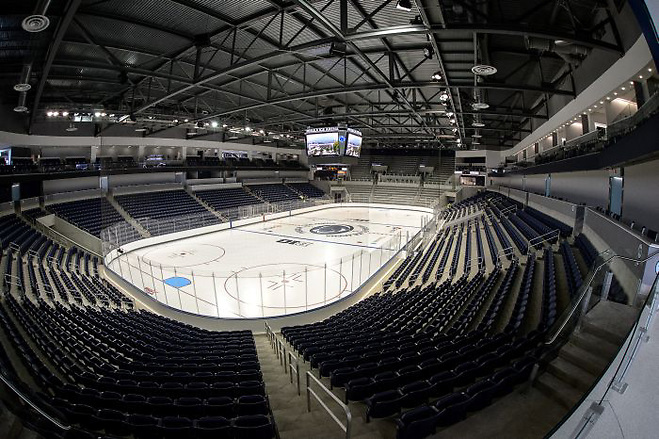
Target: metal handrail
{"type": "Point", "coordinates": [347, 427]}
{"type": "Point", "coordinates": [545, 237]}
{"type": "Point", "coordinates": [586, 286]}
{"type": "Point", "coordinates": [294, 369]}
{"type": "Point", "coordinates": [27, 400]}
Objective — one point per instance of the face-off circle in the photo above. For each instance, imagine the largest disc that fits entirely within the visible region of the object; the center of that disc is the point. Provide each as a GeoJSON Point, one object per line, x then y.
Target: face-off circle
{"type": "Point", "coordinates": [331, 229]}
{"type": "Point", "coordinates": [184, 255]}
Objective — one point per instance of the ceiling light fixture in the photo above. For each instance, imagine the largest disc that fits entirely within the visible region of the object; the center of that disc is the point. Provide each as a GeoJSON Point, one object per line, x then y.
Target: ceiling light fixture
{"type": "Point", "coordinates": [35, 23]}
{"type": "Point", "coordinates": [437, 76]}
{"type": "Point", "coordinates": [480, 105]}
{"type": "Point", "coordinates": [483, 70]}
{"type": "Point", "coordinates": [477, 124]}
{"type": "Point", "coordinates": [443, 97]}
{"type": "Point", "coordinates": [214, 124]}
{"type": "Point", "coordinates": [404, 5]}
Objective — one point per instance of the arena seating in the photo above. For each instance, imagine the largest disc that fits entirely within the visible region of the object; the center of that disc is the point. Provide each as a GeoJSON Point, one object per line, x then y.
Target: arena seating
{"type": "Point", "coordinates": [274, 193]}
{"type": "Point", "coordinates": [161, 205]}
{"type": "Point", "coordinates": [116, 371]}
{"type": "Point", "coordinates": [91, 215]}
{"type": "Point", "coordinates": [574, 279]}
{"type": "Point", "coordinates": [431, 352]}
{"type": "Point", "coordinates": [222, 199]}
{"type": "Point", "coordinates": [307, 189]}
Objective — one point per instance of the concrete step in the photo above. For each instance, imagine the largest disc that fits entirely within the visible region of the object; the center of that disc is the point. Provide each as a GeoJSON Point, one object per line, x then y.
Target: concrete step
{"type": "Point", "coordinates": [558, 390]}
{"type": "Point", "coordinates": [594, 344]}
{"type": "Point", "coordinates": [581, 358]}
{"type": "Point", "coordinates": [129, 219]}
{"type": "Point", "coordinates": [610, 321]}
{"type": "Point", "coordinates": [571, 374]}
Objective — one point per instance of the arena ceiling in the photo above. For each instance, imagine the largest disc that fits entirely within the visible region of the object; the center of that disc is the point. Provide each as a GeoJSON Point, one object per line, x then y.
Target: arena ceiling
{"type": "Point", "coordinates": [284, 65]}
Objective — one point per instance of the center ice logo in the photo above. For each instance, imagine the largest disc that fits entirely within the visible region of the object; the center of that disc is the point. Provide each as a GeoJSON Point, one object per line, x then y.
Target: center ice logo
{"type": "Point", "coordinates": [332, 230]}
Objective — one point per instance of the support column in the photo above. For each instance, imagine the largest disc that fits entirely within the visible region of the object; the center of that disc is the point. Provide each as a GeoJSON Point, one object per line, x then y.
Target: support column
{"type": "Point", "coordinates": [93, 153]}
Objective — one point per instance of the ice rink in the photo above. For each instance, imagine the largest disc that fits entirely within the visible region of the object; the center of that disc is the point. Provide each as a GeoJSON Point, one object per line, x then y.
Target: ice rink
{"type": "Point", "coordinates": [276, 267]}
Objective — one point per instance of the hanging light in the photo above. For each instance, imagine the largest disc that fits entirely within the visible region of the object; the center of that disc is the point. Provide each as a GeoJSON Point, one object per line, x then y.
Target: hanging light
{"type": "Point", "coordinates": [404, 5]}
{"type": "Point", "coordinates": [437, 76]}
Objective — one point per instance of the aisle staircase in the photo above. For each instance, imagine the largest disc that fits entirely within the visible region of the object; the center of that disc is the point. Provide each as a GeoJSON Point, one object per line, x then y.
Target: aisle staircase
{"type": "Point", "coordinates": [207, 206]}
{"type": "Point", "coordinates": [587, 353]}
{"type": "Point", "coordinates": [129, 219]}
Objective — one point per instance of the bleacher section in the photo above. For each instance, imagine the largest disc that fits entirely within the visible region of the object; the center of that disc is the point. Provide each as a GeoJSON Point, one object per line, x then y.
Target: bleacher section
{"type": "Point", "coordinates": [404, 195]}
{"type": "Point", "coordinates": [114, 371]}
{"type": "Point", "coordinates": [445, 338]}
{"type": "Point", "coordinates": [274, 193]}
{"type": "Point", "coordinates": [359, 192]}
{"type": "Point", "coordinates": [307, 190]}
{"type": "Point", "coordinates": [406, 163]}
{"type": "Point", "coordinates": [91, 215]}
{"type": "Point", "coordinates": [221, 199]}
{"type": "Point", "coordinates": [147, 208]}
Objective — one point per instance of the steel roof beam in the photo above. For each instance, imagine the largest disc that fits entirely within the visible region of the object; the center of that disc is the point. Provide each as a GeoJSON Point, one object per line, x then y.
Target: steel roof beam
{"type": "Point", "coordinates": [62, 27]}
{"type": "Point", "coordinates": [495, 29]}
{"type": "Point", "coordinates": [308, 7]}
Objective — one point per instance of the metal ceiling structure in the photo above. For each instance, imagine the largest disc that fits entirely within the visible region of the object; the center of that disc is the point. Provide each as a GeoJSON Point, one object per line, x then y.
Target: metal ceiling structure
{"type": "Point", "coordinates": [284, 65]}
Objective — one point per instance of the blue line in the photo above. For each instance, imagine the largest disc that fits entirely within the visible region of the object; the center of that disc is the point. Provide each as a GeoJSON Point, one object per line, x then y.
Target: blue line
{"type": "Point", "coordinates": [308, 239]}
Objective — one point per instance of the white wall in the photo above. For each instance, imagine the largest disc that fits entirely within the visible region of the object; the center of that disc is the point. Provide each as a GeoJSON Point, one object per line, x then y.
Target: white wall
{"type": "Point", "coordinates": [639, 199]}
{"type": "Point", "coordinates": [70, 185]}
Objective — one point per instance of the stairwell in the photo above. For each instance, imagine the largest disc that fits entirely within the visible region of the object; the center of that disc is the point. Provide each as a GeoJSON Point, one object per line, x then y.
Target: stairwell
{"type": "Point", "coordinates": [298, 193]}
{"type": "Point", "coordinates": [206, 205]}
{"type": "Point", "coordinates": [249, 191]}
{"type": "Point", "coordinates": [11, 427]}
{"type": "Point", "coordinates": [587, 353]}
{"type": "Point", "coordinates": [129, 219]}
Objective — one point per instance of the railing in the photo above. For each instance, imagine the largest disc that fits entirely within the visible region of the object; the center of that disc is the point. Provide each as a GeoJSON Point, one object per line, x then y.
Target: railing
{"type": "Point", "coordinates": [504, 252]}
{"type": "Point", "coordinates": [23, 398]}
{"type": "Point", "coordinates": [301, 287]}
{"type": "Point", "coordinates": [581, 420]}
{"type": "Point", "coordinates": [311, 392]}
{"type": "Point", "coordinates": [581, 304]}
{"type": "Point", "coordinates": [294, 369]}
{"type": "Point", "coordinates": [243, 293]}
{"type": "Point", "coordinates": [123, 233]}
{"type": "Point", "coordinates": [545, 237]}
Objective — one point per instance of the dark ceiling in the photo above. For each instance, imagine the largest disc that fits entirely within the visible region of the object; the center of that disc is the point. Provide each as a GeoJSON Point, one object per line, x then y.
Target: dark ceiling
{"type": "Point", "coordinates": [283, 65]}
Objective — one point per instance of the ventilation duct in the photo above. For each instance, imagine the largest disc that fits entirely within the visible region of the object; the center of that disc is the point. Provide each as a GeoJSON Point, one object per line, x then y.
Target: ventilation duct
{"type": "Point", "coordinates": [570, 52]}
{"type": "Point", "coordinates": [21, 107]}
{"type": "Point", "coordinates": [24, 82]}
